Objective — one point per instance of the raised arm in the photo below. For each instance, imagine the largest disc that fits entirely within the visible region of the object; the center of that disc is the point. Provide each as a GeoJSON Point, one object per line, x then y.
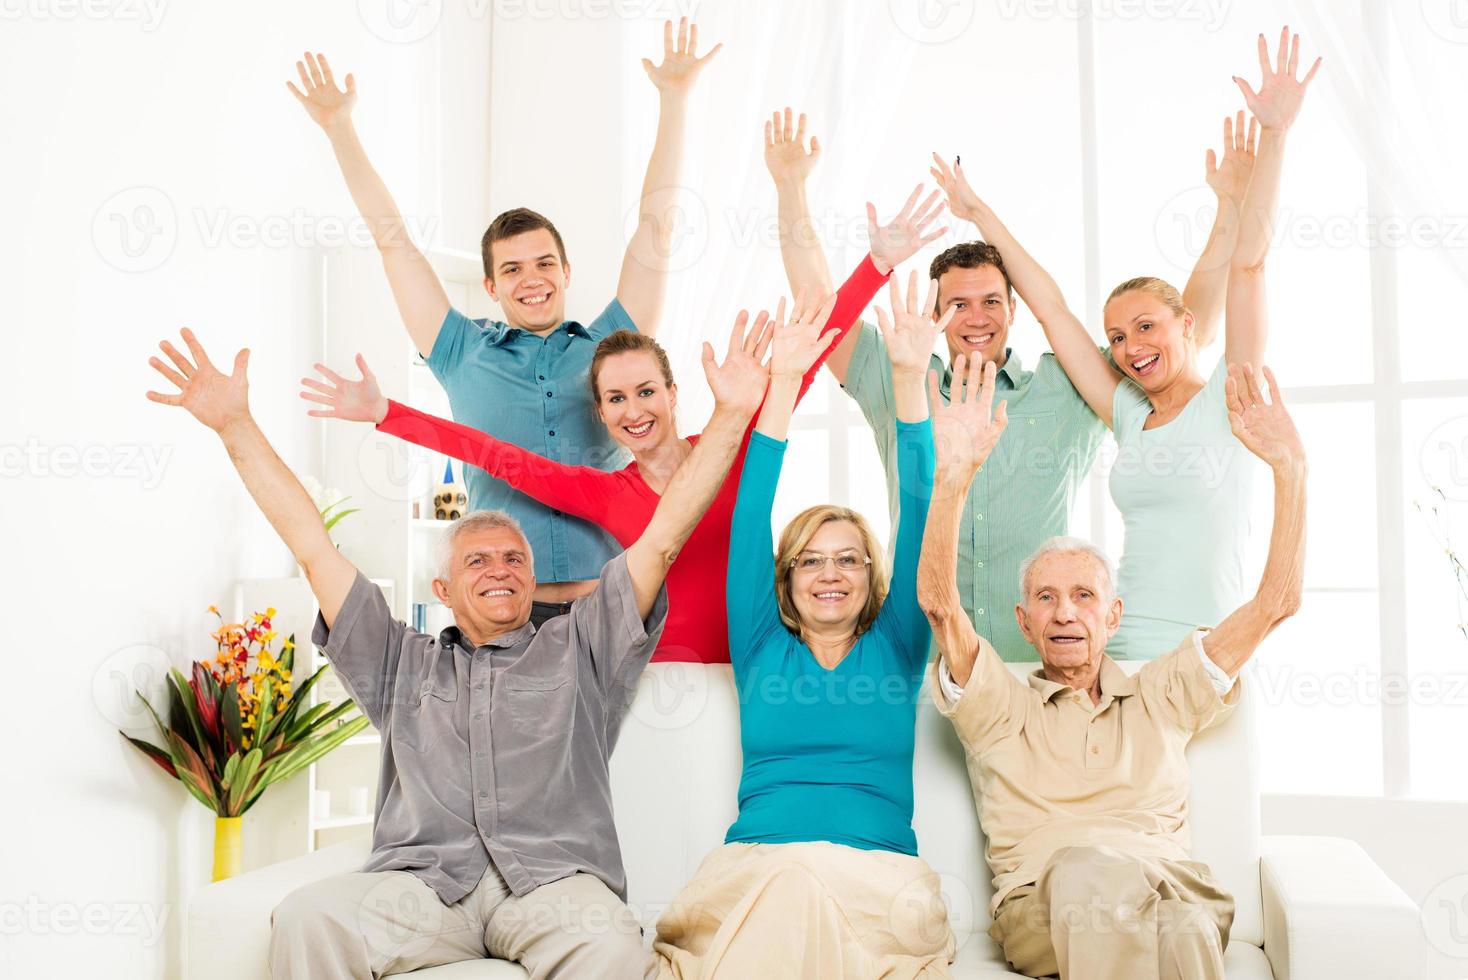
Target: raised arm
{"type": "Point", "coordinates": [965, 432]}
{"type": "Point", "coordinates": [1229, 178]}
{"type": "Point", "coordinates": [909, 334]}
{"type": "Point", "coordinates": [582, 491]}
{"type": "Point", "coordinates": [644, 281]}
{"type": "Point", "coordinates": [1266, 429]}
{"type": "Point", "coordinates": [1079, 355]}
{"type": "Point", "coordinates": [221, 402]}
{"type": "Point", "coordinates": [738, 385]}
{"type": "Point", "coordinates": [795, 347]}
{"type": "Point", "coordinates": [422, 302]}
{"type": "Point", "coordinates": [1275, 105]}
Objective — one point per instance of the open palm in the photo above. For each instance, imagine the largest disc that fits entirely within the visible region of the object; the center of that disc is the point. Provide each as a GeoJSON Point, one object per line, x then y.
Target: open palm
{"type": "Point", "coordinates": [899, 239]}
{"type": "Point", "coordinates": [966, 430]}
{"type": "Point", "coordinates": [356, 401]}
{"type": "Point", "coordinates": [910, 331]}
{"type": "Point", "coordinates": [681, 64]}
{"type": "Point", "coordinates": [214, 398]}
{"type": "Point", "coordinates": [798, 343]}
{"type": "Point", "coordinates": [786, 156]}
{"type": "Point", "coordinates": [1229, 178]}
{"type": "Point", "coordinates": [962, 201]}
{"type": "Point", "coordinates": [326, 104]}
{"type": "Point", "coordinates": [1280, 94]}
{"type": "Point", "coordinates": [739, 382]}
{"type": "Point", "coordinates": [1265, 428]}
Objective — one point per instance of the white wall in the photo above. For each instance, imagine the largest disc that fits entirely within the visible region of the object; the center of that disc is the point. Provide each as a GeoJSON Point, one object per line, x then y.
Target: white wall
{"type": "Point", "coordinates": [181, 109]}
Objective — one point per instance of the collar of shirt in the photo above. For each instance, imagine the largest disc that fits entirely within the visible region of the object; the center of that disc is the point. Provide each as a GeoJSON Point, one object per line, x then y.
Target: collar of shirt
{"type": "Point", "coordinates": [507, 333]}
{"type": "Point", "coordinates": [451, 636]}
{"type": "Point", "coordinates": [1115, 684]}
{"type": "Point", "coordinates": [1012, 371]}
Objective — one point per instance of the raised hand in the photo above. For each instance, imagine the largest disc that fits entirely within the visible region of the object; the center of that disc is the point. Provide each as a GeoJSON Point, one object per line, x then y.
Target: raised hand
{"type": "Point", "coordinates": [799, 343]}
{"type": "Point", "coordinates": [962, 201]}
{"type": "Point", "coordinates": [1264, 427]}
{"type": "Point", "coordinates": [786, 157]}
{"type": "Point", "coordinates": [966, 430]}
{"type": "Point", "coordinates": [910, 332]}
{"type": "Point", "coordinates": [1230, 178]}
{"type": "Point", "coordinates": [899, 239]}
{"type": "Point", "coordinates": [326, 104]}
{"type": "Point", "coordinates": [357, 401]}
{"type": "Point", "coordinates": [739, 383]}
{"type": "Point", "coordinates": [1280, 94]}
{"type": "Point", "coordinates": [214, 398]}
{"type": "Point", "coordinates": [681, 64]}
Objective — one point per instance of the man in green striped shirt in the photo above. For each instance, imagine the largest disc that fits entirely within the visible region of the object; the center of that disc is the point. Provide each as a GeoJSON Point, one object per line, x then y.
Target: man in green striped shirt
{"type": "Point", "coordinates": [1023, 494]}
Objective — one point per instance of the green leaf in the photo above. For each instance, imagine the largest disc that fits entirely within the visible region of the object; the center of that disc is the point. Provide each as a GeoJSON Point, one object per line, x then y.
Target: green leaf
{"type": "Point", "coordinates": [231, 768]}
{"type": "Point", "coordinates": [229, 714]}
{"type": "Point", "coordinates": [243, 782]}
{"type": "Point", "coordinates": [309, 750]}
{"type": "Point", "coordinates": [194, 732]}
{"type": "Point", "coordinates": [153, 752]}
{"type": "Point", "coordinates": [339, 515]}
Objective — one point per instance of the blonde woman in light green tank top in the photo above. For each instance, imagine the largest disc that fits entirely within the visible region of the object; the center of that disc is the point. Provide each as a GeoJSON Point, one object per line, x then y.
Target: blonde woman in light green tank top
{"type": "Point", "coordinates": [1183, 488]}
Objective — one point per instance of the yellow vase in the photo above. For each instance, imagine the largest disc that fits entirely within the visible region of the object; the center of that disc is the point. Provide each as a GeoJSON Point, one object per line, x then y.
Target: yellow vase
{"type": "Point", "coordinates": [226, 847]}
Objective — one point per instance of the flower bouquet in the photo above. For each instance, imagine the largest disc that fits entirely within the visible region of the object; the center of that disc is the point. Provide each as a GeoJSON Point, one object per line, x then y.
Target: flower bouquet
{"type": "Point", "coordinates": [238, 724]}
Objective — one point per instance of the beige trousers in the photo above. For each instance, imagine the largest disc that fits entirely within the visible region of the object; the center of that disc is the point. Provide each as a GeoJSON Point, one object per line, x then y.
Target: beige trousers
{"type": "Point", "coordinates": [806, 910]}
{"type": "Point", "coordinates": [369, 924]}
{"type": "Point", "coordinates": [1099, 914]}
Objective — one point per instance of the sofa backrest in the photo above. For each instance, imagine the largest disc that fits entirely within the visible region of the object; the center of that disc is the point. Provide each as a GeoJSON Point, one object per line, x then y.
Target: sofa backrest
{"type": "Point", "coordinates": [675, 779]}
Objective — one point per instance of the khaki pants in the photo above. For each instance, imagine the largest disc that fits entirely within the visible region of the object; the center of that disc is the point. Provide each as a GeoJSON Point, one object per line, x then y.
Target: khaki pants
{"type": "Point", "coordinates": [1099, 914]}
{"type": "Point", "coordinates": [369, 924]}
{"type": "Point", "coordinates": [771, 911]}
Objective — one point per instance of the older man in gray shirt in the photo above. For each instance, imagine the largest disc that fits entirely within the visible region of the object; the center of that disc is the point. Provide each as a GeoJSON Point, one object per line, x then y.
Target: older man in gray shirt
{"type": "Point", "coordinates": [494, 832]}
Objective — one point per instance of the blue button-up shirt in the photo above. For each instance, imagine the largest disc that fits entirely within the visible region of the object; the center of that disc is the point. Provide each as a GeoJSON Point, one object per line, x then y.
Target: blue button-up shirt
{"type": "Point", "coordinates": [533, 392]}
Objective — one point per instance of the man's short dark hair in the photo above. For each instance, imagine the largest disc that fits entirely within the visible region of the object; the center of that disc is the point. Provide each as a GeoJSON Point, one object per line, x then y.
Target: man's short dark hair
{"type": "Point", "coordinates": [970, 255]}
{"type": "Point", "coordinates": [516, 221]}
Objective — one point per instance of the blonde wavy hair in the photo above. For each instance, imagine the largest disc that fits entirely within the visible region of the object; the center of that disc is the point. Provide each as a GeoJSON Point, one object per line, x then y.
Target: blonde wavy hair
{"type": "Point", "coordinates": [795, 538]}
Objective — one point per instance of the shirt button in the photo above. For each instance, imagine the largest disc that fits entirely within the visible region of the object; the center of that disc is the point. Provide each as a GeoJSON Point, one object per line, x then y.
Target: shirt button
{"type": "Point", "coordinates": [980, 564]}
{"type": "Point", "coordinates": [978, 517]}
{"type": "Point", "coordinates": [541, 376]}
{"type": "Point", "coordinates": [981, 612]}
{"type": "Point", "coordinates": [1032, 421]}
{"type": "Point", "coordinates": [1095, 750]}
{"type": "Point", "coordinates": [550, 394]}
{"type": "Point", "coordinates": [552, 431]}
{"type": "Point", "coordinates": [484, 794]}
{"type": "Point", "coordinates": [479, 717]}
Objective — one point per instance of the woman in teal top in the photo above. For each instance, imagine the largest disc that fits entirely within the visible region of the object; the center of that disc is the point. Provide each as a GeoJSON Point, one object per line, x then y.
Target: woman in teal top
{"type": "Point", "coordinates": [828, 664]}
{"type": "Point", "coordinates": [1182, 481]}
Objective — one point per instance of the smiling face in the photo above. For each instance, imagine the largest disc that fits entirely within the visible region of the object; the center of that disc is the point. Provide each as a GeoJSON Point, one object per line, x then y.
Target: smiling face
{"type": "Point", "coordinates": [983, 311]}
{"type": "Point", "coordinates": [491, 581]}
{"type": "Point", "coordinates": [635, 402]}
{"type": "Point", "coordinates": [529, 280]}
{"type": "Point", "coordinates": [827, 597]}
{"type": "Point", "coordinates": [1067, 612]}
{"type": "Point", "coordinates": [1150, 341]}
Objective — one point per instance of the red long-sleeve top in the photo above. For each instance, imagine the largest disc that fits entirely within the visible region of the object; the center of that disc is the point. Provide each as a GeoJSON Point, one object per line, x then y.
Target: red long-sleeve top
{"type": "Point", "coordinates": [622, 503]}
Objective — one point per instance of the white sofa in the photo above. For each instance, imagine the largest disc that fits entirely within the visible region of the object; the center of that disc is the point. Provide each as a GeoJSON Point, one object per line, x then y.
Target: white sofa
{"type": "Point", "coordinates": [1308, 908]}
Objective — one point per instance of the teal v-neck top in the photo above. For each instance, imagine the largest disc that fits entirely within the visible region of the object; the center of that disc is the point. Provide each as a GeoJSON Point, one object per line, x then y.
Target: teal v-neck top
{"type": "Point", "coordinates": [827, 753]}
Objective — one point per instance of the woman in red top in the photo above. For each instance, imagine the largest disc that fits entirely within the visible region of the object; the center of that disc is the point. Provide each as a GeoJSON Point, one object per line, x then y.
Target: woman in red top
{"type": "Point", "coordinates": [635, 396]}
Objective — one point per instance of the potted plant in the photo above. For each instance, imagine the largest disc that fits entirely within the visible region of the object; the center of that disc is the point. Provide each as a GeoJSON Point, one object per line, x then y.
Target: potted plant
{"type": "Point", "coordinates": [238, 724]}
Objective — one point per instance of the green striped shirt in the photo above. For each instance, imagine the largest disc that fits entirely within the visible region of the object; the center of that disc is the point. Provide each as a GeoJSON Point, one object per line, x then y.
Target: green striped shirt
{"type": "Point", "coordinates": [1023, 494]}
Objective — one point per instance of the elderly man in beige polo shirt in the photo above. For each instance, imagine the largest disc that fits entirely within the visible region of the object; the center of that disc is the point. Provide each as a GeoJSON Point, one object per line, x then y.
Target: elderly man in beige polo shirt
{"type": "Point", "coordinates": [1079, 774]}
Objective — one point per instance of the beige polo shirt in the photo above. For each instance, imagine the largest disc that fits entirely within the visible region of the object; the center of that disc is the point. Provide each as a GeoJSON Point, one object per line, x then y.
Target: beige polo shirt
{"type": "Point", "coordinates": [1051, 770]}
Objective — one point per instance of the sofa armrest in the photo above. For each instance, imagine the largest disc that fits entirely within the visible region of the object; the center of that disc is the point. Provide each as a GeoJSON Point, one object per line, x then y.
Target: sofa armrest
{"type": "Point", "coordinates": [1330, 913]}
{"type": "Point", "coordinates": [228, 926]}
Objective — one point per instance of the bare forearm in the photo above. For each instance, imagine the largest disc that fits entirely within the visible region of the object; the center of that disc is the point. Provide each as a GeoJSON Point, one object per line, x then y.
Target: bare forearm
{"type": "Point", "coordinates": [1205, 289]}
{"type": "Point", "coordinates": [684, 503]}
{"type": "Point", "coordinates": [937, 578]}
{"type": "Point", "coordinates": [774, 415]}
{"type": "Point", "coordinates": [800, 247]}
{"type": "Point", "coordinates": [1256, 218]}
{"type": "Point", "coordinates": [371, 196]}
{"type": "Point", "coordinates": [642, 287]}
{"type": "Point", "coordinates": [909, 395]}
{"type": "Point", "coordinates": [289, 509]}
{"type": "Point", "coordinates": [1035, 286]}
{"type": "Point", "coordinates": [1281, 586]}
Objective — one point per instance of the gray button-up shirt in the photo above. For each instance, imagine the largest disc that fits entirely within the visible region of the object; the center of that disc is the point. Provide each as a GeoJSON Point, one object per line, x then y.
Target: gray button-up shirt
{"type": "Point", "coordinates": [497, 753]}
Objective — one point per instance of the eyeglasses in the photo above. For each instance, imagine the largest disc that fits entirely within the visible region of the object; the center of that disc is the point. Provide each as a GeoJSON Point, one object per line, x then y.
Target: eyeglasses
{"type": "Point", "coordinates": [815, 561]}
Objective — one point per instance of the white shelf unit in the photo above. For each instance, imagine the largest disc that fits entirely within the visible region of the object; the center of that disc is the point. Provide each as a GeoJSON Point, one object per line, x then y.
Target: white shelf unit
{"type": "Point", "coordinates": [385, 477]}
